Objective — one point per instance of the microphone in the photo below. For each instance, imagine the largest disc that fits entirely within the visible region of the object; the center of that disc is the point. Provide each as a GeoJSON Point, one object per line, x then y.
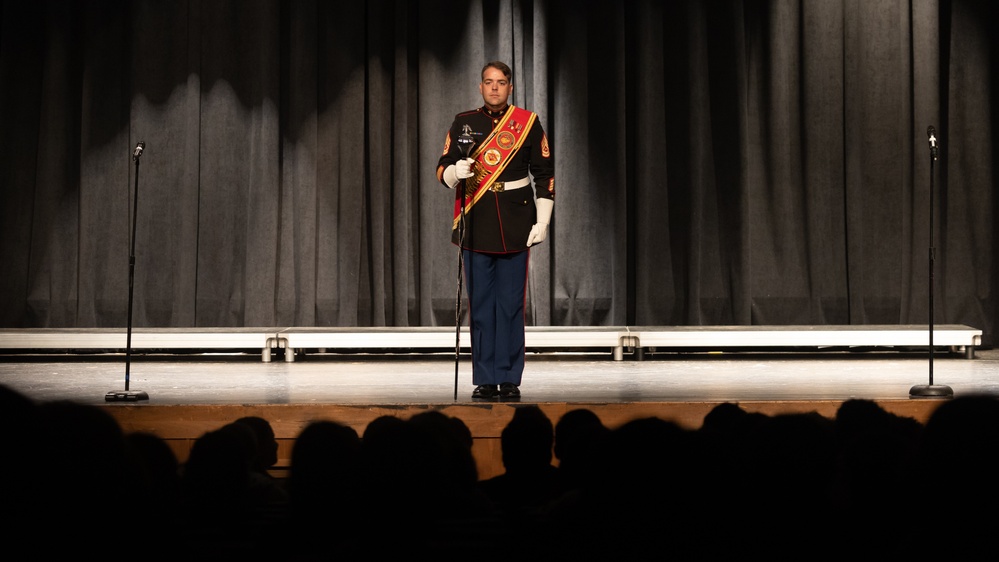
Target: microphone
{"type": "Point", "coordinates": [138, 150]}
{"type": "Point", "coordinates": [932, 133]}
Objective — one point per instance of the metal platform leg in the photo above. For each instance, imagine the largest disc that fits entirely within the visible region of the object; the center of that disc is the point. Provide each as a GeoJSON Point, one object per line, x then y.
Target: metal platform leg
{"type": "Point", "coordinates": [265, 354]}
{"type": "Point", "coordinates": [289, 353]}
{"type": "Point", "coordinates": [280, 343]}
{"type": "Point", "coordinates": [630, 342]}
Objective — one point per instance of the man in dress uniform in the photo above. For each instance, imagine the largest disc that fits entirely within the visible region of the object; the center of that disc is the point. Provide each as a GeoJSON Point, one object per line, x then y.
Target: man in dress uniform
{"type": "Point", "coordinates": [497, 218]}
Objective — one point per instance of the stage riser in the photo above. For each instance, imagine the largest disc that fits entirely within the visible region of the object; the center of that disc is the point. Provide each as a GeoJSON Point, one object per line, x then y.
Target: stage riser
{"type": "Point", "coordinates": [181, 425]}
{"type": "Point", "coordinates": [271, 341]}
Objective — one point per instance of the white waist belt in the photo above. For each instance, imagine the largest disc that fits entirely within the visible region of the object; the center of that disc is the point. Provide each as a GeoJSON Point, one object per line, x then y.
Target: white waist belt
{"type": "Point", "coordinates": [510, 185]}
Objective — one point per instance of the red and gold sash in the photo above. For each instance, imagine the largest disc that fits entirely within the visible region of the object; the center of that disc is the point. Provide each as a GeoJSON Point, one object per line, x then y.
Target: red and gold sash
{"type": "Point", "coordinates": [492, 155]}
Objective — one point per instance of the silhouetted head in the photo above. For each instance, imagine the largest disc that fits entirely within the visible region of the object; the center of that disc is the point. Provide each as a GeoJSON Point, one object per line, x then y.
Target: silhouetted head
{"type": "Point", "coordinates": [527, 440]}
{"type": "Point", "coordinates": [267, 445]}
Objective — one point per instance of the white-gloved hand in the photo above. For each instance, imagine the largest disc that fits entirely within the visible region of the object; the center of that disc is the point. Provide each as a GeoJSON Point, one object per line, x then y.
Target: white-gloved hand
{"type": "Point", "coordinates": [458, 171]}
{"type": "Point", "coordinates": [463, 168]}
{"type": "Point", "coordinates": [540, 230]}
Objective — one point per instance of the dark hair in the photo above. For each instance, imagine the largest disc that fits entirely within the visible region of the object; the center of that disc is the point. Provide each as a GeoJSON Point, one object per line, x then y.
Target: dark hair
{"type": "Point", "coordinates": [500, 66]}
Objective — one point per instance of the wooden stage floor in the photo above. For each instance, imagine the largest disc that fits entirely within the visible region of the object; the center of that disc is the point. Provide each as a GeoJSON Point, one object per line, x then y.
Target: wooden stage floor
{"type": "Point", "coordinates": [404, 380]}
{"type": "Point", "coordinates": [189, 394]}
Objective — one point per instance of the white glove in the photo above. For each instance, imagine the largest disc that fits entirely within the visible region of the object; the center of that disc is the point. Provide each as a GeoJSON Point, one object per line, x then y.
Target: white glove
{"type": "Point", "coordinates": [458, 171]}
{"type": "Point", "coordinates": [463, 168]}
{"type": "Point", "coordinates": [540, 230]}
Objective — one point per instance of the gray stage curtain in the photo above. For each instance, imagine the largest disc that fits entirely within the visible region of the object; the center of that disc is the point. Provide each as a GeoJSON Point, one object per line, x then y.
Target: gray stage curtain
{"type": "Point", "coordinates": [717, 162]}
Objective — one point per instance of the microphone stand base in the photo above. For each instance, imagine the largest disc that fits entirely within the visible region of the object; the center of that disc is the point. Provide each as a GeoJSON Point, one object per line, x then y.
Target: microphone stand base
{"type": "Point", "coordinates": [931, 391]}
{"type": "Point", "coordinates": [125, 396]}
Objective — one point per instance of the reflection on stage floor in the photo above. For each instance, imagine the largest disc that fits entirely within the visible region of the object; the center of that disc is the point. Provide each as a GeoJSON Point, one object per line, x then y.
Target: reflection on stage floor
{"type": "Point", "coordinates": [408, 379]}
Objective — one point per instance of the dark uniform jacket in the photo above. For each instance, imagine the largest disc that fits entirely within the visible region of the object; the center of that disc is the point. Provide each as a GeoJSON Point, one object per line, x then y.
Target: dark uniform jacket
{"type": "Point", "coordinates": [500, 222]}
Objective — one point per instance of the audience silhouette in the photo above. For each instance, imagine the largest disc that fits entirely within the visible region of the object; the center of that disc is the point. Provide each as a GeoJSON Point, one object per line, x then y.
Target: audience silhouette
{"type": "Point", "coordinates": [267, 446]}
{"type": "Point", "coordinates": [529, 482]}
{"type": "Point", "coordinates": [877, 463]}
{"type": "Point", "coordinates": [83, 468]}
{"type": "Point", "coordinates": [959, 457]}
{"type": "Point", "coordinates": [865, 483]}
{"type": "Point", "coordinates": [228, 507]}
{"type": "Point", "coordinates": [323, 486]}
{"type": "Point", "coordinates": [22, 482]}
{"type": "Point", "coordinates": [576, 435]}
{"type": "Point", "coordinates": [154, 488]}
{"type": "Point", "coordinates": [270, 490]}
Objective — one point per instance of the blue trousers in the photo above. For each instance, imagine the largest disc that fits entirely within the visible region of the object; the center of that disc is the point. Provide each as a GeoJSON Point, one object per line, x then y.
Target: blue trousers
{"type": "Point", "coordinates": [496, 285]}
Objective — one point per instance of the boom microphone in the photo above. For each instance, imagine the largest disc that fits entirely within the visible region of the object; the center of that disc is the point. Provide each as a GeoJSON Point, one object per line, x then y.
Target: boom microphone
{"type": "Point", "coordinates": [138, 150]}
{"type": "Point", "coordinates": [932, 133]}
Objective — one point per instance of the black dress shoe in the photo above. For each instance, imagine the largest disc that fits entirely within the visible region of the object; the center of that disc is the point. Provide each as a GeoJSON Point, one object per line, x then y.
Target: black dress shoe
{"type": "Point", "coordinates": [485, 392]}
{"type": "Point", "coordinates": [509, 391]}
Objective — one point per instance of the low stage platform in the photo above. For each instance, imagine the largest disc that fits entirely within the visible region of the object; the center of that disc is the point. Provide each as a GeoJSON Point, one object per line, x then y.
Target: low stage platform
{"type": "Point", "coordinates": [614, 339]}
{"type": "Point", "coordinates": [197, 380]}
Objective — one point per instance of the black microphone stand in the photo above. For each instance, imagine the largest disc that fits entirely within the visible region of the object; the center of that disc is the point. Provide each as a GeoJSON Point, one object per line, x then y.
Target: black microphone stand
{"type": "Point", "coordinates": [931, 390]}
{"type": "Point", "coordinates": [130, 395]}
{"type": "Point", "coordinates": [465, 143]}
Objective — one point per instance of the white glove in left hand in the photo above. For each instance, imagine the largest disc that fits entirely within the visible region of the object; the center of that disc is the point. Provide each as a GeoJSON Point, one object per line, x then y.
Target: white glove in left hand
{"type": "Point", "coordinates": [540, 230]}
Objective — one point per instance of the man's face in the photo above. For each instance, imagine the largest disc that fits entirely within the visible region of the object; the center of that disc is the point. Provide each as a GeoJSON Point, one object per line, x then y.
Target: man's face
{"type": "Point", "coordinates": [495, 88]}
